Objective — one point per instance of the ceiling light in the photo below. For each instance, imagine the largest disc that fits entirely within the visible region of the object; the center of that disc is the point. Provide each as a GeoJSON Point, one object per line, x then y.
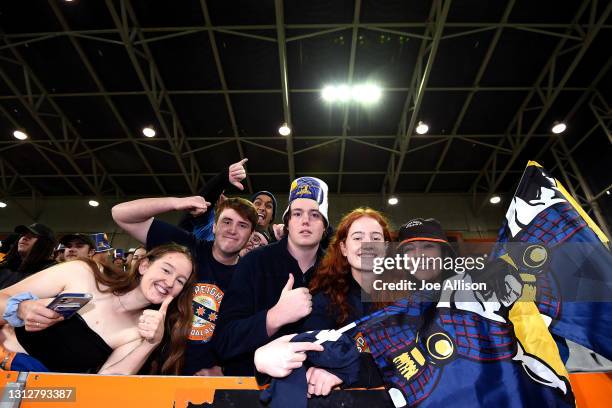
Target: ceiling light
{"type": "Point", "coordinates": [329, 93]}
{"type": "Point", "coordinates": [20, 134]}
{"type": "Point", "coordinates": [367, 93]}
{"type": "Point", "coordinates": [393, 200]}
{"type": "Point", "coordinates": [3, 204]}
{"type": "Point", "coordinates": [495, 199]}
{"type": "Point", "coordinates": [284, 130]}
{"type": "Point", "coordinates": [343, 93]}
{"type": "Point", "coordinates": [94, 203]}
{"type": "Point", "coordinates": [422, 128]}
{"type": "Point", "coordinates": [148, 131]}
{"type": "Point", "coordinates": [558, 127]}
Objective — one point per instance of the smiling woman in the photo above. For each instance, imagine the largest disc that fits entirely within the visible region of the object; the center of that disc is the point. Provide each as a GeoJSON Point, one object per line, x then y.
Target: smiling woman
{"type": "Point", "coordinates": [338, 283]}
{"type": "Point", "coordinates": [344, 275]}
{"type": "Point", "coordinates": [117, 331]}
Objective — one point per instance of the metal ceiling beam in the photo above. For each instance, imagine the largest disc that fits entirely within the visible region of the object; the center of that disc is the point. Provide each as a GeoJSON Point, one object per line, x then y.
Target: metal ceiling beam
{"type": "Point", "coordinates": [87, 63]}
{"type": "Point", "coordinates": [65, 149]}
{"type": "Point", "coordinates": [294, 91]}
{"type": "Point", "coordinates": [605, 190]}
{"type": "Point", "coordinates": [127, 25]}
{"type": "Point", "coordinates": [602, 112]}
{"type": "Point", "coordinates": [588, 93]}
{"type": "Point", "coordinates": [546, 91]}
{"type": "Point", "coordinates": [349, 82]}
{"type": "Point", "coordinates": [9, 177]}
{"type": "Point", "coordinates": [7, 193]}
{"type": "Point", "coordinates": [228, 102]}
{"type": "Point", "coordinates": [258, 27]}
{"type": "Point", "coordinates": [115, 140]}
{"type": "Point", "coordinates": [470, 96]}
{"type": "Point", "coordinates": [284, 78]}
{"type": "Point", "coordinates": [419, 80]}
{"type": "Point", "coordinates": [38, 147]}
{"type": "Point", "coordinates": [275, 173]}
{"type": "Point", "coordinates": [577, 184]}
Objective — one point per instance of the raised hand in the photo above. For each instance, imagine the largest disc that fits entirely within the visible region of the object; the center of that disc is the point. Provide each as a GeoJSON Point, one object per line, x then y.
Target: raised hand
{"type": "Point", "coordinates": [196, 205]}
{"type": "Point", "coordinates": [293, 304]}
{"type": "Point", "coordinates": [237, 173]}
{"type": "Point", "coordinates": [279, 231]}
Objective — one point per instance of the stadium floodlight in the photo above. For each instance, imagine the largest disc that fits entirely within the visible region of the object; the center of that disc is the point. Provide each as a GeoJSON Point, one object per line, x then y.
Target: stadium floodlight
{"type": "Point", "coordinates": [20, 134]}
{"type": "Point", "coordinates": [284, 130]}
{"type": "Point", "coordinates": [558, 127]}
{"type": "Point", "coordinates": [149, 131]}
{"type": "Point", "coordinates": [422, 128]}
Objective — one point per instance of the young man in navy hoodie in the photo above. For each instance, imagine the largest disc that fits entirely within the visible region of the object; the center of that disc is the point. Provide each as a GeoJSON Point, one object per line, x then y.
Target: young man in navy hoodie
{"type": "Point", "coordinates": [268, 296]}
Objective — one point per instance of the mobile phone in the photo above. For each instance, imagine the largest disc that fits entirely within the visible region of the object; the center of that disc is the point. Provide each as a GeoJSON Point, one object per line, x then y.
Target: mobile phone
{"type": "Point", "coordinates": [67, 304]}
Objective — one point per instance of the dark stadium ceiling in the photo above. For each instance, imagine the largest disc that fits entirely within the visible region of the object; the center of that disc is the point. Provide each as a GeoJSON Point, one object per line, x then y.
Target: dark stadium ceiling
{"type": "Point", "coordinates": [217, 78]}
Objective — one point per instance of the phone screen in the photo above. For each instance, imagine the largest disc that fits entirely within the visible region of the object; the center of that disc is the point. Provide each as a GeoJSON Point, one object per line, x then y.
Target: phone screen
{"type": "Point", "coordinates": [67, 304]}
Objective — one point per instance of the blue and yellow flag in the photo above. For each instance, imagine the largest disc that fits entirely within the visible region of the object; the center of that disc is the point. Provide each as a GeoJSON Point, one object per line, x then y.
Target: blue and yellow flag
{"type": "Point", "coordinates": [564, 260]}
{"type": "Point", "coordinates": [549, 273]}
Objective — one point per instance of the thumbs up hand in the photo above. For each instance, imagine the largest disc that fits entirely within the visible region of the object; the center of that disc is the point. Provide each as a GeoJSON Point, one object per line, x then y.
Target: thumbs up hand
{"type": "Point", "coordinates": [293, 304]}
{"type": "Point", "coordinates": [151, 322]}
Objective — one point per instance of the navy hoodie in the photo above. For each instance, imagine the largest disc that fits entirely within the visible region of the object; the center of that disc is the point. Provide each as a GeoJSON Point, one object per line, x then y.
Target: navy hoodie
{"type": "Point", "coordinates": [256, 287]}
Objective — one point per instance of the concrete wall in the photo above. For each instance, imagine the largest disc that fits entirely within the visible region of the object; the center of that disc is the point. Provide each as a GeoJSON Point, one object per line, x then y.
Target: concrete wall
{"type": "Point", "coordinates": [75, 215]}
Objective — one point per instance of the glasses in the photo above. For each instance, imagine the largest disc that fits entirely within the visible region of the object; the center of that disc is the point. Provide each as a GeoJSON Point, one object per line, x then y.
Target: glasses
{"type": "Point", "coordinates": [256, 241]}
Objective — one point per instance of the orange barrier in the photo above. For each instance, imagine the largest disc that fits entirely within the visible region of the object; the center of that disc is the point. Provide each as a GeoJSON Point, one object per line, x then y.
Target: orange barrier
{"type": "Point", "coordinates": [94, 391]}
{"type": "Point", "coordinates": [592, 390]}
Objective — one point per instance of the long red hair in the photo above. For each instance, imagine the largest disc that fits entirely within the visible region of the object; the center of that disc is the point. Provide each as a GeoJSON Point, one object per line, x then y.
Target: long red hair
{"type": "Point", "coordinates": [333, 276]}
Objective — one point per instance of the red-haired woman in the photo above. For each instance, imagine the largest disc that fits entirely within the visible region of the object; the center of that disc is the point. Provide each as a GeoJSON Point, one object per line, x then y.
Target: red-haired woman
{"type": "Point", "coordinates": [337, 286]}
{"type": "Point", "coordinates": [116, 332]}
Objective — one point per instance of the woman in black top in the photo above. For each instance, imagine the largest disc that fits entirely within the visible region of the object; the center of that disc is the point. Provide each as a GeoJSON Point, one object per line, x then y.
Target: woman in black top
{"type": "Point", "coordinates": [116, 332]}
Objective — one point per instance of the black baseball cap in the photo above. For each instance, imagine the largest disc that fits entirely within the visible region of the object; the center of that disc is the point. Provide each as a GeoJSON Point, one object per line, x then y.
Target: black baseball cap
{"type": "Point", "coordinates": [84, 238]}
{"type": "Point", "coordinates": [420, 229]}
{"type": "Point", "coordinates": [37, 229]}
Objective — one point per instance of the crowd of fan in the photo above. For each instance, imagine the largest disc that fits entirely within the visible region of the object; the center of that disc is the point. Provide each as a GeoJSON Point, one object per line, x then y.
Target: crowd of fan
{"type": "Point", "coordinates": [221, 293]}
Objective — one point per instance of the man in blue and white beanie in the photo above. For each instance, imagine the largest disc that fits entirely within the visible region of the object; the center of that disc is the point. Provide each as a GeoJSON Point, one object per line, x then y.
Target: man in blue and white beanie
{"type": "Point", "coordinates": [269, 295]}
{"type": "Point", "coordinates": [309, 188]}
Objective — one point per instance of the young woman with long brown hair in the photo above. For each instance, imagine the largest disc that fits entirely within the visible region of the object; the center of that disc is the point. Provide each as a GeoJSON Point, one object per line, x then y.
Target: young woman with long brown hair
{"type": "Point", "coordinates": [346, 270]}
{"type": "Point", "coordinates": [116, 332]}
{"type": "Point", "coordinates": [337, 285]}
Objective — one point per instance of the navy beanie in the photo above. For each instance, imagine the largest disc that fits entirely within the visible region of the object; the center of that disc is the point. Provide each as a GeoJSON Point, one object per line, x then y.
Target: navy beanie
{"type": "Point", "coordinates": [269, 194]}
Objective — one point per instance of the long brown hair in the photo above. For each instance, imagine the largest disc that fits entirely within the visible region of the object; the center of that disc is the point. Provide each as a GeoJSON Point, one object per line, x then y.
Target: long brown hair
{"type": "Point", "coordinates": [333, 276]}
{"type": "Point", "coordinates": [37, 259]}
{"type": "Point", "coordinates": [179, 315]}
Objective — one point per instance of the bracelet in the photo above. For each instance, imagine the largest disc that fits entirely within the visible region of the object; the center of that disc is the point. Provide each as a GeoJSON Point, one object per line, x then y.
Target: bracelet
{"type": "Point", "coordinates": [12, 304]}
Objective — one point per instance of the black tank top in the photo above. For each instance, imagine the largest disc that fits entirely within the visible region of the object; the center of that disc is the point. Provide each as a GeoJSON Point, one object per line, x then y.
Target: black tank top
{"type": "Point", "coordinates": [70, 346]}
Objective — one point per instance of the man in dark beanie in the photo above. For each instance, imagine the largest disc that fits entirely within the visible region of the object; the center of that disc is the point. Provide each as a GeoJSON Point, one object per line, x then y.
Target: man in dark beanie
{"type": "Point", "coordinates": [265, 203]}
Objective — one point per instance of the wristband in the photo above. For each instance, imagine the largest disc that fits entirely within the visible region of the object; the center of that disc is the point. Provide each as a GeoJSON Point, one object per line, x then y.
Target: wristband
{"type": "Point", "coordinates": [12, 304]}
